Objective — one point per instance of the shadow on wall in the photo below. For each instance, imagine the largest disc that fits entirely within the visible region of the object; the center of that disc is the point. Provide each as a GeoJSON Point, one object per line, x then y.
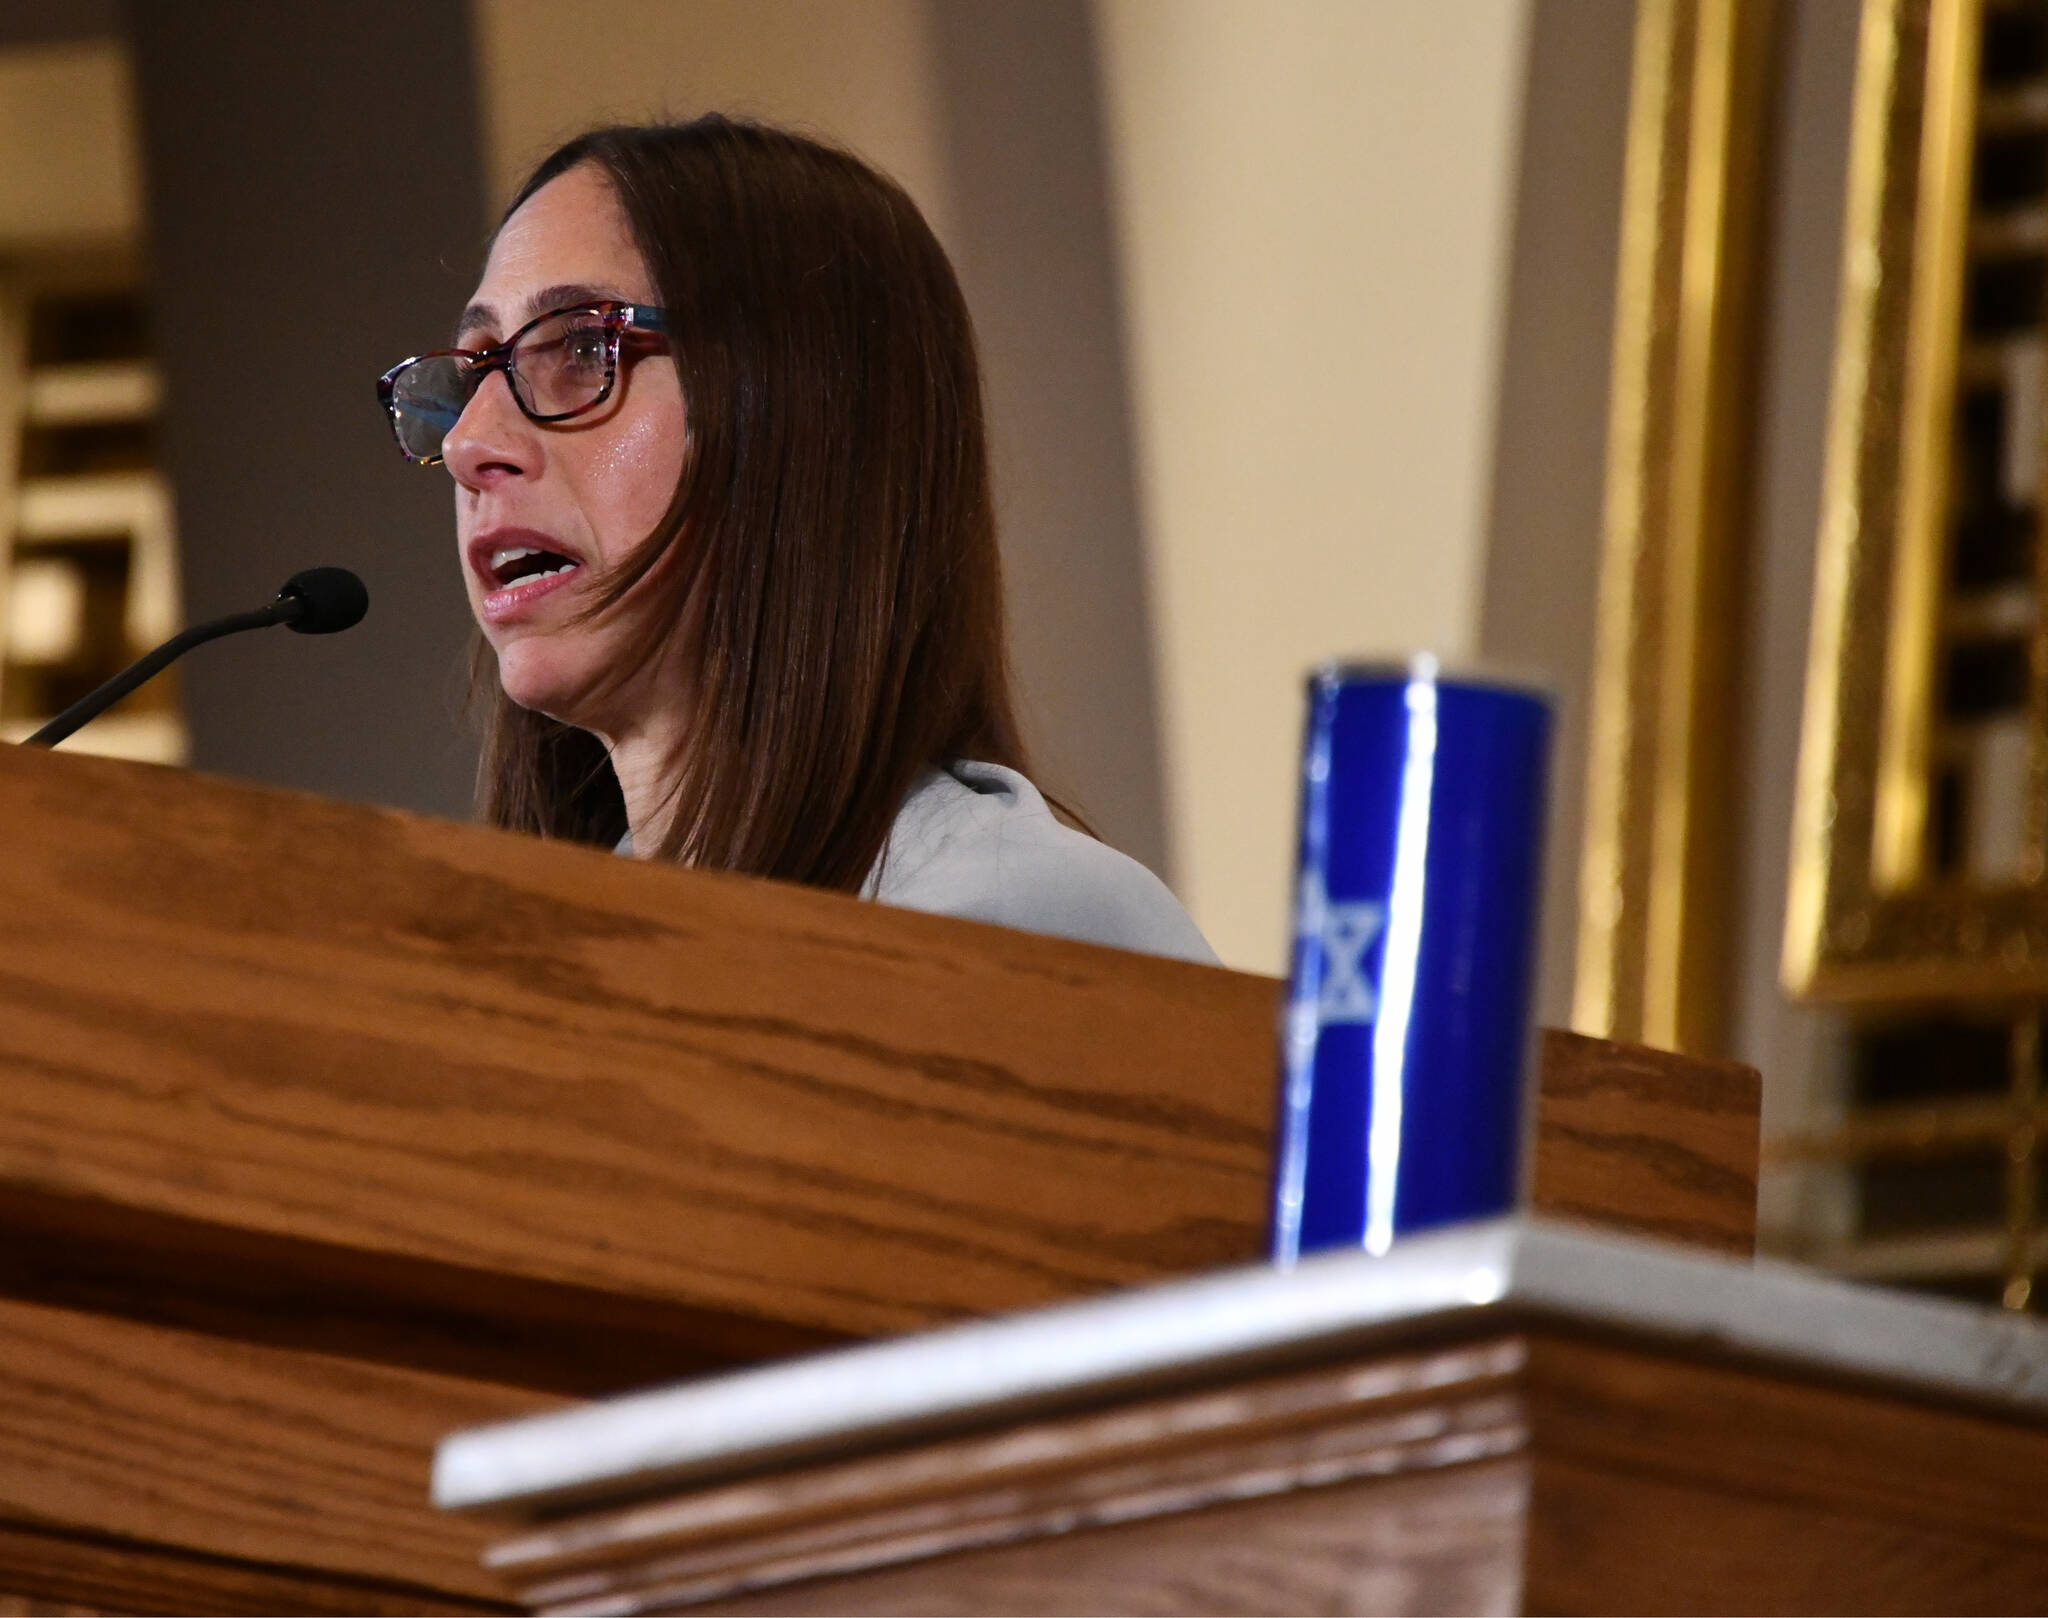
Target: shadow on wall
{"type": "Point", "coordinates": [1032, 240]}
{"type": "Point", "coordinates": [315, 211]}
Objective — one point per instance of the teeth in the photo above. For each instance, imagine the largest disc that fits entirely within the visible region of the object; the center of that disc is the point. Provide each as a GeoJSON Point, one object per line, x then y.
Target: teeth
{"type": "Point", "coordinates": [501, 559]}
{"type": "Point", "coordinates": [535, 578]}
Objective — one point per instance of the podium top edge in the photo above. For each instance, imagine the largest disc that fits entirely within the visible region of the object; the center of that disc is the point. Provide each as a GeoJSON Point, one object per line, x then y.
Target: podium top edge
{"type": "Point", "coordinates": [974, 1375]}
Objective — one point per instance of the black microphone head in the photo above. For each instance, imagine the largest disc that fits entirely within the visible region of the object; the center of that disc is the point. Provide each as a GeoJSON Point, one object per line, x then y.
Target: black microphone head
{"type": "Point", "coordinates": [326, 599]}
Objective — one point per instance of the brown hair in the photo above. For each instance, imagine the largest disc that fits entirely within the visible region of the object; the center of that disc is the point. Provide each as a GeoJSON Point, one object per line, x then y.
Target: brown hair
{"type": "Point", "coordinates": [833, 525]}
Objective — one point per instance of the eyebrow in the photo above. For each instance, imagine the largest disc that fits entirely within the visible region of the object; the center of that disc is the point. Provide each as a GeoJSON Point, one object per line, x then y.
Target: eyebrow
{"type": "Point", "coordinates": [563, 295]}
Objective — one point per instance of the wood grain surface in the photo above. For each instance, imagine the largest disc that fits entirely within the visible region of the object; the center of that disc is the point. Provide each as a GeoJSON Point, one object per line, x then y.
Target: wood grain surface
{"type": "Point", "coordinates": [227, 1476]}
{"type": "Point", "coordinates": [297, 1070]}
{"type": "Point", "coordinates": [1156, 1457]}
{"type": "Point", "coordinates": [1641, 1140]}
{"type": "Point", "coordinates": [73, 1573]}
{"type": "Point", "coordinates": [394, 1309]}
{"type": "Point", "coordinates": [1541, 1471]}
{"type": "Point", "coordinates": [353, 1030]}
{"type": "Point", "coordinates": [1769, 1493]}
{"type": "Point", "coordinates": [1430, 1542]}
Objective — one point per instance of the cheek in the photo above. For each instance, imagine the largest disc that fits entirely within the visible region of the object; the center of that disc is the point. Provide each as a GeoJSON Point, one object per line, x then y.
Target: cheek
{"type": "Point", "coordinates": [635, 474]}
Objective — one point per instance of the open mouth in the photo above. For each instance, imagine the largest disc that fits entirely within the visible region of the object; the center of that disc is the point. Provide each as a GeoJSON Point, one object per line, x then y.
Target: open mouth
{"type": "Point", "coordinates": [523, 564]}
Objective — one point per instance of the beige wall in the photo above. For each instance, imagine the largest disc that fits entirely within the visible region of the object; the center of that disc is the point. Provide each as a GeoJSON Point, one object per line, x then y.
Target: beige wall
{"type": "Point", "coordinates": [861, 71]}
{"type": "Point", "coordinates": [1314, 201]}
{"type": "Point", "coordinates": [68, 175]}
{"type": "Point", "coordinates": [1549, 460]}
{"type": "Point", "coordinates": [1801, 1050]}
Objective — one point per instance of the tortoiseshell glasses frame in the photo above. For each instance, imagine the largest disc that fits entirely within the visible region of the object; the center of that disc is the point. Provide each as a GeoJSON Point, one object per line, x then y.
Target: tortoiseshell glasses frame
{"type": "Point", "coordinates": [558, 365]}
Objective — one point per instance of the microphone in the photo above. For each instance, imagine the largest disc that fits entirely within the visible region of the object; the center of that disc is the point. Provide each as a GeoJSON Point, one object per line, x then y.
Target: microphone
{"type": "Point", "coordinates": [322, 601]}
{"type": "Point", "coordinates": [319, 601]}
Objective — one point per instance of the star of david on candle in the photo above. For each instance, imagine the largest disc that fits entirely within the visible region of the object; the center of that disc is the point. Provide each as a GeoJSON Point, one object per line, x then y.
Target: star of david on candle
{"type": "Point", "coordinates": [1346, 930]}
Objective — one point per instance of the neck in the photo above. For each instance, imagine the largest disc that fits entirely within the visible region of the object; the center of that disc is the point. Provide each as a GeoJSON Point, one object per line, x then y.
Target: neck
{"type": "Point", "coordinates": [642, 759]}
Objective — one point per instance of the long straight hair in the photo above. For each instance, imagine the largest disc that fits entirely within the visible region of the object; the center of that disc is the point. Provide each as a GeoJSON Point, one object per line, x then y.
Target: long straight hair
{"type": "Point", "coordinates": [831, 542]}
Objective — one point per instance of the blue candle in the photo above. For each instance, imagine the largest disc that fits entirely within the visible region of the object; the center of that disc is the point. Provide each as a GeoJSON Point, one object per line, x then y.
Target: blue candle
{"type": "Point", "coordinates": [1405, 1055]}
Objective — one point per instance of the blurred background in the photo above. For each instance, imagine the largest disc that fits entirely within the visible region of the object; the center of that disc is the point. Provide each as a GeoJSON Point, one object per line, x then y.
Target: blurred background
{"type": "Point", "coordinates": [1303, 339]}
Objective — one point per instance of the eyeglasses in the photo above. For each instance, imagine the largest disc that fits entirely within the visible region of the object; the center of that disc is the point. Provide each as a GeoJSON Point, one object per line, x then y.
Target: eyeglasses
{"type": "Point", "coordinates": [558, 365]}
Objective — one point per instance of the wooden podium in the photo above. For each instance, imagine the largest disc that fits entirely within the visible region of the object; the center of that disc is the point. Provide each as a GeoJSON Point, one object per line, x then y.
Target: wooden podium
{"type": "Point", "coordinates": [1516, 1417]}
{"type": "Point", "coordinates": [325, 1131]}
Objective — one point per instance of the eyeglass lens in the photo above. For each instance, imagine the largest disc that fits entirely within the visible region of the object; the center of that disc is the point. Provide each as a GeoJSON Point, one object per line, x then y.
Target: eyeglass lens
{"type": "Point", "coordinates": [561, 366]}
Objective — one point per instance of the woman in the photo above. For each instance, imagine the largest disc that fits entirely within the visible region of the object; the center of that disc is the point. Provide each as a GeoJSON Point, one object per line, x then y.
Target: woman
{"type": "Point", "coordinates": [722, 502]}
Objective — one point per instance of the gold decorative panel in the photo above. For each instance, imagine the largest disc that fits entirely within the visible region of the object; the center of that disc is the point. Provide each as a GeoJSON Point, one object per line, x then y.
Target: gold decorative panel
{"type": "Point", "coordinates": [1919, 893]}
{"type": "Point", "coordinates": [1919, 885]}
{"type": "Point", "coordinates": [1920, 866]}
{"type": "Point", "coordinates": [1655, 874]}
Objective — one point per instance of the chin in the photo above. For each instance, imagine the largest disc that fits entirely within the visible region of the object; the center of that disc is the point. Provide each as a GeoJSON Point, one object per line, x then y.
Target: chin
{"type": "Point", "coordinates": [546, 678]}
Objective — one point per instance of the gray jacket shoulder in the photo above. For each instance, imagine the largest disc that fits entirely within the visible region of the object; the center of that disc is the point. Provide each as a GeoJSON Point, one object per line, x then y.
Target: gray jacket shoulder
{"type": "Point", "coordinates": [978, 841]}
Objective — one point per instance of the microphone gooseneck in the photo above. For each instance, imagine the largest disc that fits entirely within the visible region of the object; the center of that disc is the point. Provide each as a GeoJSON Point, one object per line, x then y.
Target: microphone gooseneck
{"type": "Point", "coordinates": [319, 601]}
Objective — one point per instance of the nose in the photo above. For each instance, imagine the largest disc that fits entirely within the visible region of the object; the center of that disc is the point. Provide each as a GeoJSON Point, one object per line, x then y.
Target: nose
{"type": "Point", "coordinates": [492, 439]}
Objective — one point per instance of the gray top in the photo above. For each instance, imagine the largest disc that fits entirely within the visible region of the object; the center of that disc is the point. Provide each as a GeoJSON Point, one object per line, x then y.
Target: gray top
{"type": "Point", "coordinates": [961, 1377]}
{"type": "Point", "coordinates": [979, 842]}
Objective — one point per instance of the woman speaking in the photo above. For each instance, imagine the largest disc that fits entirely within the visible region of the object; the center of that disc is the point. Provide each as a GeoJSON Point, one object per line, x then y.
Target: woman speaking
{"type": "Point", "coordinates": [722, 507]}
